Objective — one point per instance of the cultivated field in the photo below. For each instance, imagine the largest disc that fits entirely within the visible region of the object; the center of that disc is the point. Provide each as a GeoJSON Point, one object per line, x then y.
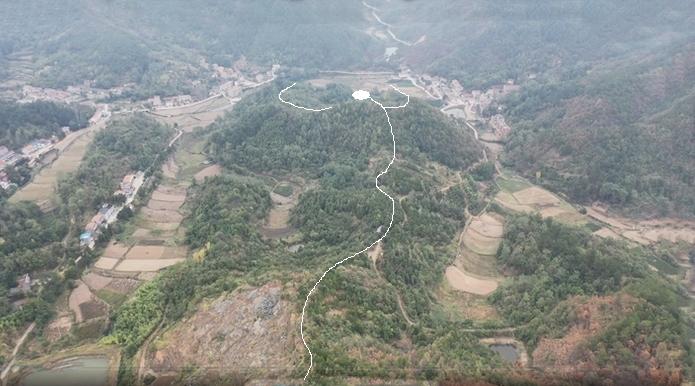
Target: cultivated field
{"type": "Point", "coordinates": [379, 82]}
{"type": "Point", "coordinates": [84, 304]}
{"type": "Point", "coordinates": [210, 171]}
{"type": "Point", "coordinates": [467, 283]}
{"type": "Point", "coordinates": [277, 224]}
{"type": "Point", "coordinates": [192, 116]}
{"type": "Point", "coordinates": [72, 149]}
{"type": "Point", "coordinates": [645, 232]}
{"type": "Point", "coordinates": [475, 268]}
{"type": "Point", "coordinates": [520, 196]}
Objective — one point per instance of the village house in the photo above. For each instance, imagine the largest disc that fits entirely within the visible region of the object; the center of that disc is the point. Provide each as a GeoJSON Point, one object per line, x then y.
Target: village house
{"type": "Point", "coordinates": [130, 185]}
{"type": "Point", "coordinates": [36, 149]}
{"type": "Point", "coordinates": [101, 112]}
{"type": "Point", "coordinates": [108, 214]}
{"type": "Point", "coordinates": [8, 157]}
{"type": "Point", "coordinates": [23, 287]}
{"type": "Point", "coordinates": [178, 100]}
{"type": "Point", "coordinates": [5, 182]}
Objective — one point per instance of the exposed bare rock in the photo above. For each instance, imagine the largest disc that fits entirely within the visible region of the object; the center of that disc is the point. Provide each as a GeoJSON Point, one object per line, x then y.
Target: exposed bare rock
{"type": "Point", "coordinates": [252, 330]}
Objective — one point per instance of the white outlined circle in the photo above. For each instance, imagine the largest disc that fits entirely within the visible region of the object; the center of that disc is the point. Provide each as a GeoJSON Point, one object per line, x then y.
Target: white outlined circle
{"type": "Point", "coordinates": [361, 95]}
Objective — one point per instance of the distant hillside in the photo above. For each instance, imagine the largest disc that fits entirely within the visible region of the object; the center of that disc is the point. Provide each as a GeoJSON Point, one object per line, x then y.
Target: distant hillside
{"type": "Point", "coordinates": [263, 134]}
{"type": "Point", "coordinates": [623, 134]}
{"type": "Point", "coordinates": [486, 42]}
{"type": "Point", "coordinates": [160, 44]}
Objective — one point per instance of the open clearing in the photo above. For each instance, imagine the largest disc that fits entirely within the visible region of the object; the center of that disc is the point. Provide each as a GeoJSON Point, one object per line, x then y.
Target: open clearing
{"type": "Point", "coordinates": [162, 216]}
{"type": "Point", "coordinates": [106, 263]}
{"type": "Point", "coordinates": [143, 265]}
{"type": "Point", "coordinates": [522, 196]}
{"type": "Point", "coordinates": [365, 81]}
{"type": "Point", "coordinates": [115, 250]}
{"type": "Point", "coordinates": [164, 205]}
{"type": "Point", "coordinates": [96, 281]}
{"type": "Point", "coordinates": [84, 304]}
{"type": "Point", "coordinates": [248, 328]}
{"type": "Point", "coordinates": [170, 169]}
{"type": "Point", "coordinates": [459, 305]}
{"type": "Point", "coordinates": [467, 283]}
{"type": "Point", "coordinates": [645, 232]}
{"type": "Point", "coordinates": [162, 196]}
{"type": "Point", "coordinates": [145, 252]}
{"type": "Point", "coordinates": [488, 226]}
{"type": "Point", "coordinates": [277, 224]}
{"type": "Point", "coordinates": [480, 244]}
{"type": "Point", "coordinates": [536, 196]}
{"type": "Point", "coordinates": [475, 268]}
{"type": "Point", "coordinates": [210, 171]}
{"type": "Point", "coordinates": [192, 116]}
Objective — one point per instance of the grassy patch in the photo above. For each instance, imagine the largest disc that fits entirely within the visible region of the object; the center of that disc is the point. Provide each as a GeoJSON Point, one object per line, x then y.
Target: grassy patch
{"type": "Point", "coordinates": [114, 299]}
{"type": "Point", "coordinates": [89, 330]}
{"type": "Point", "coordinates": [512, 186]}
{"type": "Point", "coordinates": [400, 82]}
{"type": "Point", "coordinates": [284, 190]}
{"type": "Point", "coordinates": [592, 226]}
{"type": "Point", "coordinates": [665, 267]}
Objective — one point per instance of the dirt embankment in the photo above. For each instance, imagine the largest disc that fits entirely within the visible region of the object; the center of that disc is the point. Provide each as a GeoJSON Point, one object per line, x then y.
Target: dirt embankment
{"type": "Point", "coordinates": [474, 270]}
{"type": "Point", "coordinates": [251, 330]}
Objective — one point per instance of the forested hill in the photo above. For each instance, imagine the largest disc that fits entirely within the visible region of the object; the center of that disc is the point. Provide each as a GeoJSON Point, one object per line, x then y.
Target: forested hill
{"type": "Point", "coordinates": [159, 44]}
{"type": "Point", "coordinates": [623, 134]}
{"type": "Point", "coordinates": [21, 123]}
{"type": "Point", "coordinates": [263, 134]}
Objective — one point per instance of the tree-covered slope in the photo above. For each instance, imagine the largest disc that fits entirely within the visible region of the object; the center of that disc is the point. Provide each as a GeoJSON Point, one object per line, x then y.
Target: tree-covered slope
{"type": "Point", "coordinates": [263, 134]}
{"type": "Point", "coordinates": [159, 45]}
{"type": "Point", "coordinates": [21, 123]}
{"type": "Point", "coordinates": [622, 134]}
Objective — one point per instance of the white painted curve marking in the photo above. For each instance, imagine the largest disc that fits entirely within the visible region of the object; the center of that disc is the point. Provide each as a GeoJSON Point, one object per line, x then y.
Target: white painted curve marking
{"type": "Point", "coordinates": [357, 95]}
{"type": "Point", "coordinates": [299, 107]}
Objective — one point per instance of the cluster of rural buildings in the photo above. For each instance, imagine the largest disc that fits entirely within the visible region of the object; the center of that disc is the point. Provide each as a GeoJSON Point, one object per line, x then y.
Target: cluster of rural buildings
{"type": "Point", "coordinates": [25, 286]}
{"type": "Point", "coordinates": [33, 152]}
{"type": "Point", "coordinates": [72, 94]}
{"type": "Point", "coordinates": [108, 213]}
{"type": "Point", "coordinates": [473, 103]}
{"type": "Point", "coordinates": [174, 101]}
{"type": "Point", "coordinates": [7, 158]}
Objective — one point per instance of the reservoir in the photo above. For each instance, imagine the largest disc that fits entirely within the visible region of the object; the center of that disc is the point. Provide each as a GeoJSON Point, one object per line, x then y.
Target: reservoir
{"type": "Point", "coordinates": [82, 371]}
{"type": "Point", "coordinates": [506, 351]}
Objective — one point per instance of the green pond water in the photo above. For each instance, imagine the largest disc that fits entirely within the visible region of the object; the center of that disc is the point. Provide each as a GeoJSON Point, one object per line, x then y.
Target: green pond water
{"type": "Point", "coordinates": [506, 351]}
{"type": "Point", "coordinates": [84, 371]}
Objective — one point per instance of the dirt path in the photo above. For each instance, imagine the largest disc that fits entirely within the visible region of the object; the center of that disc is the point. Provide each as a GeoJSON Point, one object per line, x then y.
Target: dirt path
{"type": "Point", "coordinates": [405, 315]}
{"type": "Point", "coordinates": [15, 351]}
{"type": "Point", "coordinates": [374, 255]}
{"type": "Point", "coordinates": [144, 349]}
{"type": "Point", "coordinates": [387, 25]}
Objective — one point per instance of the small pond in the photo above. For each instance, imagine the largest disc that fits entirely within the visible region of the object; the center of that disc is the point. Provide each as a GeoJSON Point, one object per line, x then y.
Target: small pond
{"type": "Point", "coordinates": [506, 351]}
{"type": "Point", "coordinates": [82, 371]}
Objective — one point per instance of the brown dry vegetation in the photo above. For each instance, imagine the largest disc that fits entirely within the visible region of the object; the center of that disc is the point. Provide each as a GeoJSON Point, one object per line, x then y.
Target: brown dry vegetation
{"type": "Point", "coordinates": [252, 328]}
{"type": "Point", "coordinates": [567, 355]}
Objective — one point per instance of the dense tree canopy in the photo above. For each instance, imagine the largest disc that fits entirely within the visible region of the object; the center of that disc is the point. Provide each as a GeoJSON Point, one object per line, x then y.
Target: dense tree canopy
{"type": "Point", "coordinates": [263, 134]}
{"type": "Point", "coordinates": [624, 136]}
{"type": "Point", "coordinates": [21, 123]}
